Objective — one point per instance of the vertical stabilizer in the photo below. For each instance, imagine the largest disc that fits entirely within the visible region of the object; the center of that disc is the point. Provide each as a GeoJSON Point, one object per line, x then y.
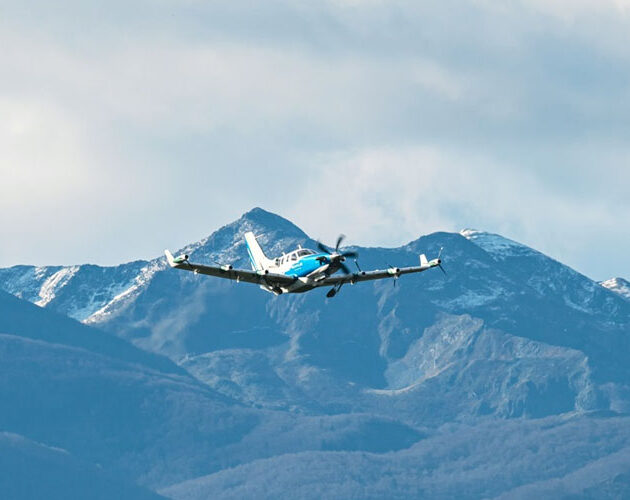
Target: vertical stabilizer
{"type": "Point", "coordinates": [257, 257]}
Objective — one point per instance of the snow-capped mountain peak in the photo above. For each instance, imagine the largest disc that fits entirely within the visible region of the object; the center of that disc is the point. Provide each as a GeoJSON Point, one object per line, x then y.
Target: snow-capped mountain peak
{"type": "Point", "coordinates": [496, 245]}
{"type": "Point", "coordinates": [619, 286]}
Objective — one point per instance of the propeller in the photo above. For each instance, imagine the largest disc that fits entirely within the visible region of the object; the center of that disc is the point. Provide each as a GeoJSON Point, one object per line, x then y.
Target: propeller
{"type": "Point", "coordinates": [336, 256]}
{"type": "Point", "coordinates": [439, 258]}
{"type": "Point", "coordinates": [395, 275]}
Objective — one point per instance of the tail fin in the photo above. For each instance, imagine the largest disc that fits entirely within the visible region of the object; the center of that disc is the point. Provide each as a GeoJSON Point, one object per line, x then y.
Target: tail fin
{"type": "Point", "coordinates": [423, 261]}
{"type": "Point", "coordinates": [169, 258]}
{"type": "Point", "coordinates": [257, 257]}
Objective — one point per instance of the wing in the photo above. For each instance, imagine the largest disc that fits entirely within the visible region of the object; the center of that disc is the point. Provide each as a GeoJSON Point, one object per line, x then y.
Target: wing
{"type": "Point", "coordinates": [379, 274]}
{"type": "Point", "coordinates": [257, 277]}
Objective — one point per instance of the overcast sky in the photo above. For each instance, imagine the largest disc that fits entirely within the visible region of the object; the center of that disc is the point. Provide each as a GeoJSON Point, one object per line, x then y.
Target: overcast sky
{"type": "Point", "coordinates": [132, 126]}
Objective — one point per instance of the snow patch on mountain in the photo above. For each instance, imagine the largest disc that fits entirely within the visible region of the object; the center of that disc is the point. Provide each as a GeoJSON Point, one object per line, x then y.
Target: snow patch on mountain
{"type": "Point", "coordinates": [55, 282]}
{"type": "Point", "coordinates": [128, 292]}
{"type": "Point", "coordinates": [497, 246]}
{"type": "Point", "coordinates": [619, 286]}
{"type": "Point", "coordinates": [95, 303]}
{"type": "Point", "coordinates": [76, 291]}
{"type": "Point", "coordinates": [471, 298]}
{"type": "Point", "coordinates": [25, 282]}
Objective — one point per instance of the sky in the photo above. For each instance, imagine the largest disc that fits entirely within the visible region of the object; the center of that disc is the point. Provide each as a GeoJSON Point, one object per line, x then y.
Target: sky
{"type": "Point", "coordinates": [129, 127]}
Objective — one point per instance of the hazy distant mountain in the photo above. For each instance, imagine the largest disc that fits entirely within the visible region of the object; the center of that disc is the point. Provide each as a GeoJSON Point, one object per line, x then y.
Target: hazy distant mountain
{"type": "Point", "coordinates": [509, 343]}
{"type": "Point", "coordinates": [99, 408]}
{"type": "Point", "coordinates": [547, 458]}
{"type": "Point", "coordinates": [32, 471]}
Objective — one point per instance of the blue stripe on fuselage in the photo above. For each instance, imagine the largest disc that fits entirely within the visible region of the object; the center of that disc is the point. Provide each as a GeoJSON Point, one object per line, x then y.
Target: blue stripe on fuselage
{"type": "Point", "coordinates": [305, 266]}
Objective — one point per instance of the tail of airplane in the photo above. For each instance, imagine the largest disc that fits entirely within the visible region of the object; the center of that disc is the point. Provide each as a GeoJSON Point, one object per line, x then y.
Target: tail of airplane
{"type": "Point", "coordinates": [257, 257]}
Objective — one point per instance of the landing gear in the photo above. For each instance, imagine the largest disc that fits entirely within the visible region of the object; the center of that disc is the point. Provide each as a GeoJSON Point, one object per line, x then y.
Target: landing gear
{"type": "Point", "coordinates": [333, 291]}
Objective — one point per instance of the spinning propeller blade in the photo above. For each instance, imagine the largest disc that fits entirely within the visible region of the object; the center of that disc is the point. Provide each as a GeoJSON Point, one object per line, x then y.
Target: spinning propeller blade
{"type": "Point", "coordinates": [323, 248]}
{"type": "Point", "coordinates": [440, 260]}
{"type": "Point", "coordinates": [336, 256]}
{"type": "Point", "coordinates": [339, 240]}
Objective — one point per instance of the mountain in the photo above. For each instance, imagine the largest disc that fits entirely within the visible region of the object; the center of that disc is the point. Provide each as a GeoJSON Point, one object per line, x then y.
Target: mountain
{"type": "Point", "coordinates": [406, 376]}
{"type": "Point", "coordinates": [118, 419]}
{"type": "Point", "coordinates": [30, 470]}
{"type": "Point", "coordinates": [502, 302]}
{"type": "Point", "coordinates": [40, 324]}
{"type": "Point", "coordinates": [619, 286]}
{"type": "Point", "coordinates": [527, 459]}
{"type": "Point", "coordinates": [102, 405]}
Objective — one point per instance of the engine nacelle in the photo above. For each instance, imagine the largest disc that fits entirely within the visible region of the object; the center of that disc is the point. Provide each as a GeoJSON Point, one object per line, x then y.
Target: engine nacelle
{"type": "Point", "coordinates": [180, 259]}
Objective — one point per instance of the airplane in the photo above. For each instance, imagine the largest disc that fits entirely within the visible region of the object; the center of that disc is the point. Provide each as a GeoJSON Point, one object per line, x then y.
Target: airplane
{"type": "Point", "coordinates": [300, 270]}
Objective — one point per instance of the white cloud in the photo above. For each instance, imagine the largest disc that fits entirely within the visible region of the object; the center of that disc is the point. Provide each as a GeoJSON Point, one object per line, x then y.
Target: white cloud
{"type": "Point", "coordinates": [408, 115]}
{"type": "Point", "coordinates": [571, 10]}
{"type": "Point", "coordinates": [40, 150]}
{"type": "Point", "coordinates": [388, 197]}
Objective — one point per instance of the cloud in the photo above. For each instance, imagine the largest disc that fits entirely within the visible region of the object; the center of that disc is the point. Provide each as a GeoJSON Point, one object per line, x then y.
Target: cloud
{"type": "Point", "coordinates": [153, 123]}
{"type": "Point", "coordinates": [390, 196]}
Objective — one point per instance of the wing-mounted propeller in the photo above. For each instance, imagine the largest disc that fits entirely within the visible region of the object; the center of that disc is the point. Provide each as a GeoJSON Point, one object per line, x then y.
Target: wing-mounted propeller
{"type": "Point", "coordinates": [394, 272]}
{"type": "Point", "coordinates": [335, 257]}
{"type": "Point", "coordinates": [438, 262]}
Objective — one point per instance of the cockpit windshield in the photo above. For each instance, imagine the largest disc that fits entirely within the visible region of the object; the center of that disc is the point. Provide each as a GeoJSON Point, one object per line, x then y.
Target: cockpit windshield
{"type": "Point", "coordinates": [305, 251]}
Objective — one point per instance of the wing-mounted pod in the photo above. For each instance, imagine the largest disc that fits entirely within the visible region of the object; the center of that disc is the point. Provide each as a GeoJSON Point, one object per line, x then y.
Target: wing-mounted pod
{"type": "Point", "coordinates": [175, 261]}
{"type": "Point", "coordinates": [394, 271]}
{"type": "Point", "coordinates": [435, 262]}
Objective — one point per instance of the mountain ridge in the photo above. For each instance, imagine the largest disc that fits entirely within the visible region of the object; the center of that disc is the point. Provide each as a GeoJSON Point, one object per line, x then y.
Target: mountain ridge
{"type": "Point", "coordinates": [507, 286]}
{"type": "Point", "coordinates": [45, 279]}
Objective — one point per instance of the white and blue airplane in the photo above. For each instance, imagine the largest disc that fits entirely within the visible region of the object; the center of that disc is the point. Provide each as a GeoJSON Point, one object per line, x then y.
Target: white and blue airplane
{"type": "Point", "coordinates": [300, 270]}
